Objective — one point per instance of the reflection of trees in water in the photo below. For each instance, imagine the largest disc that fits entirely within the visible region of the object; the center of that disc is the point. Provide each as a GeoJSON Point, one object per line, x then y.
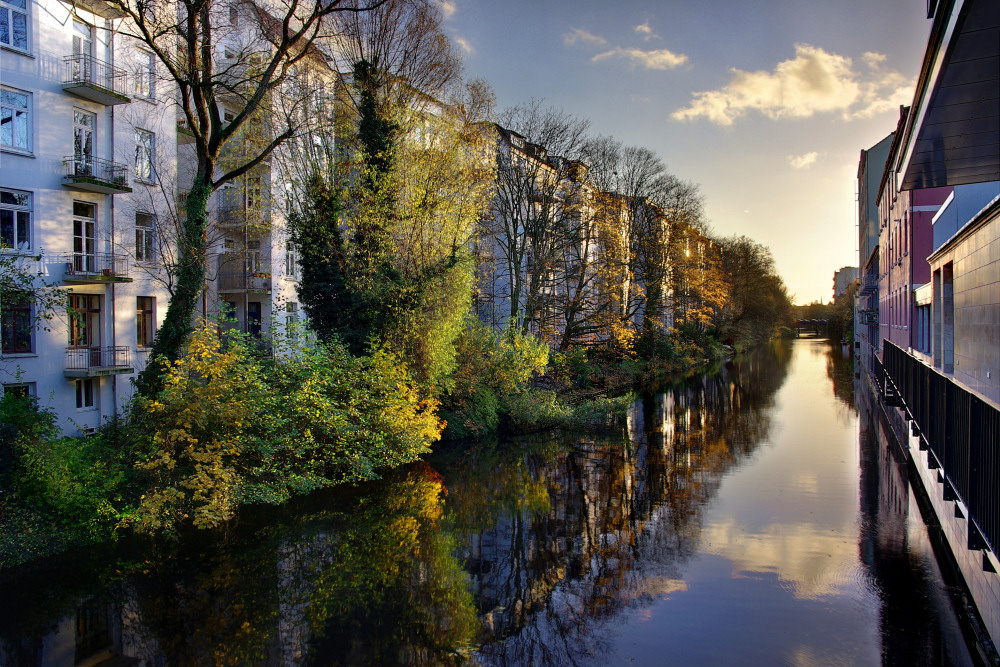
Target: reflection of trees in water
{"type": "Point", "coordinates": [601, 524]}
{"type": "Point", "coordinates": [840, 370]}
{"type": "Point", "coordinates": [557, 534]}
{"type": "Point", "coordinates": [357, 578]}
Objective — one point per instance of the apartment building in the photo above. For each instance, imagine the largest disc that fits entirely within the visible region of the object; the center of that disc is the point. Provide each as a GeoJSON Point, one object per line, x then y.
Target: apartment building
{"type": "Point", "coordinates": [96, 162]}
{"type": "Point", "coordinates": [537, 250]}
{"type": "Point", "coordinates": [87, 144]}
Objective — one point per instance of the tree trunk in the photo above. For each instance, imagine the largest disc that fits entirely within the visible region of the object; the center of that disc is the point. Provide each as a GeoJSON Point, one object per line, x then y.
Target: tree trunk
{"type": "Point", "coordinates": [178, 322]}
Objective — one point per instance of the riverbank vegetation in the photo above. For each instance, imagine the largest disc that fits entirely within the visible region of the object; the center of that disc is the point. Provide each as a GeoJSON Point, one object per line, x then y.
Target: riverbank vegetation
{"type": "Point", "coordinates": [458, 280]}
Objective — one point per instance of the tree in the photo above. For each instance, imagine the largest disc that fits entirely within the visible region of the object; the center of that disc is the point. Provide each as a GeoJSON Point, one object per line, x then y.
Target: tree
{"type": "Point", "coordinates": [758, 300]}
{"type": "Point", "coordinates": [409, 184]}
{"type": "Point", "coordinates": [213, 56]}
{"type": "Point", "coordinates": [534, 215]}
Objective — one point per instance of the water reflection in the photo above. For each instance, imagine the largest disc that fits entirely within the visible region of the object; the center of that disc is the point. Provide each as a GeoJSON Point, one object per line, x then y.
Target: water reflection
{"type": "Point", "coordinates": [725, 524]}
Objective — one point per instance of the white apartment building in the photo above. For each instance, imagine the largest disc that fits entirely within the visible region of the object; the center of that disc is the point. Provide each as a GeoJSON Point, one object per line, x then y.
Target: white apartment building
{"type": "Point", "coordinates": [93, 171]}
{"type": "Point", "coordinates": [87, 142]}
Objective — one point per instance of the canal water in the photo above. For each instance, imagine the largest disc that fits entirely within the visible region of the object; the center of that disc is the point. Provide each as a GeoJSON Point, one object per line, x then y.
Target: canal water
{"type": "Point", "coordinates": [753, 516]}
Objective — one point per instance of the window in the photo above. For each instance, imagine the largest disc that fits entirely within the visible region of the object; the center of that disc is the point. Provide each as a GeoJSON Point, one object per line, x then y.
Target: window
{"type": "Point", "coordinates": [234, 16]}
{"type": "Point", "coordinates": [15, 219]}
{"type": "Point", "coordinates": [291, 260]}
{"type": "Point", "coordinates": [145, 76]}
{"type": "Point", "coordinates": [84, 393]}
{"type": "Point", "coordinates": [145, 153]}
{"type": "Point", "coordinates": [84, 320]}
{"type": "Point", "coordinates": [254, 198]}
{"type": "Point", "coordinates": [144, 327]}
{"type": "Point", "coordinates": [20, 389]}
{"type": "Point", "coordinates": [15, 119]}
{"type": "Point", "coordinates": [15, 323]}
{"type": "Point", "coordinates": [145, 237]}
{"type": "Point", "coordinates": [84, 237]}
{"type": "Point", "coordinates": [14, 23]}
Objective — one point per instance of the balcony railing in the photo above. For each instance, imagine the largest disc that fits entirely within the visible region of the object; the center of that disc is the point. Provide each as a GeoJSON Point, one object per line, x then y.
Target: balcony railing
{"type": "Point", "coordinates": [93, 79]}
{"type": "Point", "coordinates": [231, 217]}
{"type": "Point", "coordinates": [97, 361]}
{"type": "Point", "coordinates": [962, 432]}
{"type": "Point", "coordinates": [244, 281]}
{"type": "Point", "coordinates": [98, 267]}
{"type": "Point", "coordinates": [94, 174]}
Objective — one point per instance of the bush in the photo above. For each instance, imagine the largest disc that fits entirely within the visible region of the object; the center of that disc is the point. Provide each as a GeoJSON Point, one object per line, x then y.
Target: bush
{"type": "Point", "coordinates": [232, 427]}
{"type": "Point", "coordinates": [494, 367]}
{"type": "Point", "coordinates": [56, 492]}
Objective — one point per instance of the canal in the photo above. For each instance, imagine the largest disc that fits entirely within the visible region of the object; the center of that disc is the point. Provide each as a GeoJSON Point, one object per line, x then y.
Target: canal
{"type": "Point", "coordinates": [753, 516]}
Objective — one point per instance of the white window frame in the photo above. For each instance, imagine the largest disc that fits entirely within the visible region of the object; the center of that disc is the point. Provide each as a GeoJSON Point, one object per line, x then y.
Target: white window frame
{"type": "Point", "coordinates": [17, 210]}
{"type": "Point", "coordinates": [291, 261]}
{"type": "Point", "coordinates": [29, 388]}
{"type": "Point", "coordinates": [145, 156]}
{"type": "Point", "coordinates": [86, 393]}
{"type": "Point", "coordinates": [14, 111]}
{"type": "Point", "coordinates": [145, 238]}
{"type": "Point", "coordinates": [145, 76]}
{"type": "Point", "coordinates": [8, 8]}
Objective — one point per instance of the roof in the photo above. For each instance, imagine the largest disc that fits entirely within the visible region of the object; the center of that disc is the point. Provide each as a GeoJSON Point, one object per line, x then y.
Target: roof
{"type": "Point", "coordinates": [953, 134]}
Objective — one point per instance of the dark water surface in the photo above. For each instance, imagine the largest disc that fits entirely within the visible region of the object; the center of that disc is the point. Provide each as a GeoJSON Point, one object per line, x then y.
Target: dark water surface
{"type": "Point", "coordinates": [752, 517]}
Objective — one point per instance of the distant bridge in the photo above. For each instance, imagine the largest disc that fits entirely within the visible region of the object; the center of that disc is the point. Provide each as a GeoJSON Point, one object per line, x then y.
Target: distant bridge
{"type": "Point", "coordinates": [809, 327]}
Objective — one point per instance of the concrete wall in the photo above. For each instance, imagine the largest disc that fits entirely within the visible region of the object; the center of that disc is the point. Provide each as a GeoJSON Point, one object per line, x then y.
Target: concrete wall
{"type": "Point", "coordinates": [973, 259]}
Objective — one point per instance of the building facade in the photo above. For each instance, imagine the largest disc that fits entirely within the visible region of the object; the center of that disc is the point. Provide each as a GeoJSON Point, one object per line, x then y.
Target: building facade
{"type": "Point", "coordinates": [88, 142]}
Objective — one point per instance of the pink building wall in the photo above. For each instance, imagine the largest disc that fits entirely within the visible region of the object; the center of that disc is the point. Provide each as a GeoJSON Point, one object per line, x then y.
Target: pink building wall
{"type": "Point", "coordinates": [905, 242]}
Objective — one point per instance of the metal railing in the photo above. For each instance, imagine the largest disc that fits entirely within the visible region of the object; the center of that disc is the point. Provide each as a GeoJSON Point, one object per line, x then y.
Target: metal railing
{"type": "Point", "coordinates": [97, 169]}
{"type": "Point", "coordinates": [83, 68]}
{"type": "Point", "coordinates": [102, 264]}
{"type": "Point", "coordinates": [961, 430]}
{"type": "Point", "coordinates": [98, 358]}
{"type": "Point", "coordinates": [229, 281]}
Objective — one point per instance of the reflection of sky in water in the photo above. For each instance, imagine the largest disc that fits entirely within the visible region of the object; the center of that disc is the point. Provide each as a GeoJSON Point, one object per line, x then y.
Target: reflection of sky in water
{"type": "Point", "coordinates": [777, 578]}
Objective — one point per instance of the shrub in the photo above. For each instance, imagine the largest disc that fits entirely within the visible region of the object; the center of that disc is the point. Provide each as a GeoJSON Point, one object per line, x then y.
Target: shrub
{"type": "Point", "coordinates": [232, 427]}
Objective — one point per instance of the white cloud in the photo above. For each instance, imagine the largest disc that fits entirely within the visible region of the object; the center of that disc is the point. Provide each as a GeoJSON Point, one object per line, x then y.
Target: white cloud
{"type": "Point", "coordinates": [447, 8]}
{"type": "Point", "coordinates": [803, 161]}
{"type": "Point", "coordinates": [812, 82]}
{"type": "Point", "coordinates": [654, 59]}
{"type": "Point", "coordinates": [646, 31]}
{"type": "Point", "coordinates": [462, 42]}
{"type": "Point", "coordinates": [581, 35]}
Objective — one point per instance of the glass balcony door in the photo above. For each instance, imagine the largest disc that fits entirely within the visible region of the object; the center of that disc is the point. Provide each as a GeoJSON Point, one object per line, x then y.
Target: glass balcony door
{"type": "Point", "coordinates": [84, 237]}
{"type": "Point", "coordinates": [83, 50]}
{"type": "Point", "coordinates": [84, 126]}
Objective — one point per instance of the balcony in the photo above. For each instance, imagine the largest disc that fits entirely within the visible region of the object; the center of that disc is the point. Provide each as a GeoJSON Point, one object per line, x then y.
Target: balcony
{"type": "Point", "coordinates": [238, 217]}
{"type": "Point", "coordinates": [244, 281]}
{"type": "Point", "coordinates": [88, 362]}
{"type": "Point", "coordinates": [101, 8]}
{"type": "Point", "coordinates": [96, 268]}
{"type": "Point", "coordinates": [95, 80]}
{"type": "Point", "coordinates": [91, 174]}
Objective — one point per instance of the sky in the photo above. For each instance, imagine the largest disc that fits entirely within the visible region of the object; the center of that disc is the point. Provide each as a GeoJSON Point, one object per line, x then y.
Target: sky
{"type": "Point", "coordinates": [765, 105]}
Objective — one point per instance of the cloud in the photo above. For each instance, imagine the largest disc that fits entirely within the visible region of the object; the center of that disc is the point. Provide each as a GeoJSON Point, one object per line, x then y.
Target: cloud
{"type": "Point", "coordinates": [812, 82]}
{"type": "Point", "coordinates": [581, 35]}
{"type": "Point", "coordinates": [640, 98]}
{"type": "Point", "coordinates": [646, 31]}
{"type": "Point", "coordinates": [462, 42]}
{"type": "Point", "coordinates": [654, 59]}
{"type": "Point", "coordinates": [447, 8]}
{"type": "Point", "coordinates": [803, 161]}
